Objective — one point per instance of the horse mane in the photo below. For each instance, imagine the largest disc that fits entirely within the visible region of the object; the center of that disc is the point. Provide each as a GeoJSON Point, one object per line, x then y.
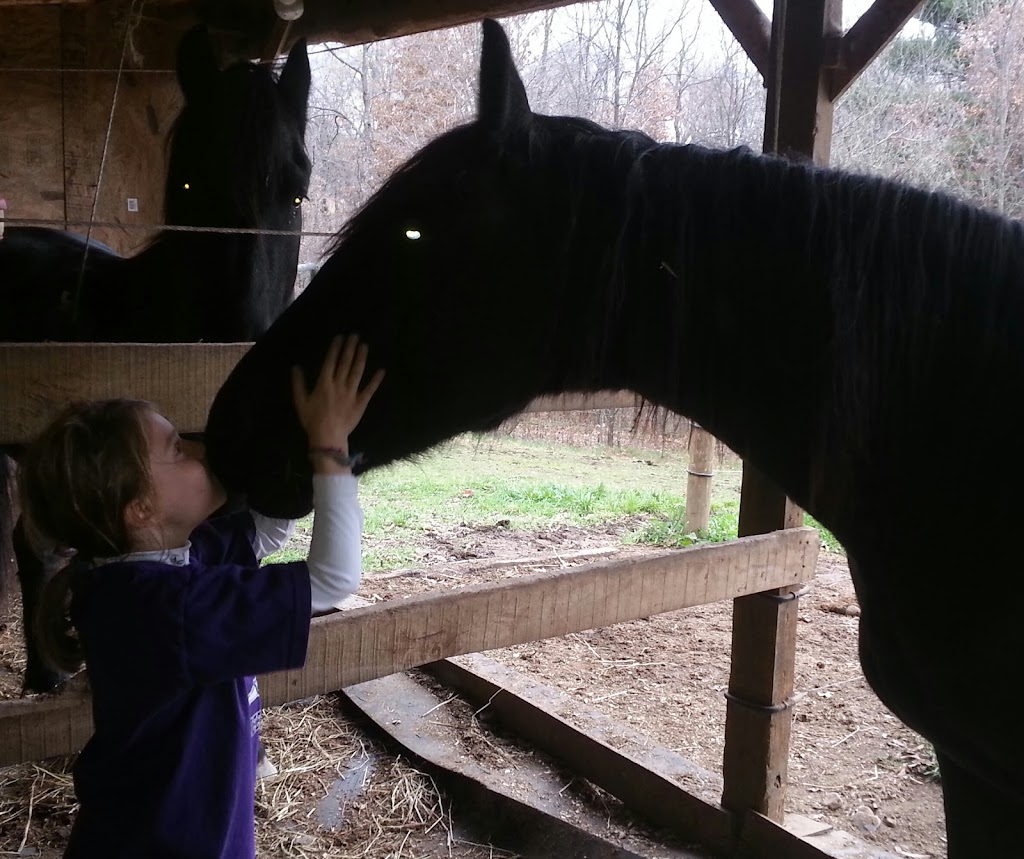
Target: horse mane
{"type": "Point", "coordinates": [908, 275]}
{"type": "Point", "coordinates": [899, 270]}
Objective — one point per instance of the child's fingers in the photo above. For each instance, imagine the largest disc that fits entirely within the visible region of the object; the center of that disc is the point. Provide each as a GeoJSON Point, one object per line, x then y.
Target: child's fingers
{"type": "Point", "coordinates": [371, 386]}
{"type": "Point", "coordinates": [344, 363]}
{"type": "Point", "coordinates": [355, 373]}
{"type": "Point", "coordinates": [330, 364]}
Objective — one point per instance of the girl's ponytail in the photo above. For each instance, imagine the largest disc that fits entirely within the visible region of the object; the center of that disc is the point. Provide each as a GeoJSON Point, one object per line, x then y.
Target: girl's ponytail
{"type": "Point", "coordinates": [58, 643]}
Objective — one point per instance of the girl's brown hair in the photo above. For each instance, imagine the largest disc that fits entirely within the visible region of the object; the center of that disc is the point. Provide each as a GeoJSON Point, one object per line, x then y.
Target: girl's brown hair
{"type": "Point", "coordinates": [75, 482]}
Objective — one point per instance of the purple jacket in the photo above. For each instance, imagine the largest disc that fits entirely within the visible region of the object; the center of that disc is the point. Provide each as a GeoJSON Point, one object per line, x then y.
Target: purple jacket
{"type": "Point", "coordinates": [171, 652]}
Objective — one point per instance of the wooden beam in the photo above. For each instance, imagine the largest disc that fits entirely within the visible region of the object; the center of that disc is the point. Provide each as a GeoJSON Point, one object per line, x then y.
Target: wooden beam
{"type": "Point", "coordinates": [360, 21]}
{"type": "Point", "coordinates": [38, 379]}
{"type": "Point", "coordinates": [798, 124]}
{"type": "Point", "coordinates": [647, 778]}
{"type": "Point", "coordinates": [525, 810]}
{"type": "Point", "coordinates": [763, 838]}
{"type": "Point", "coordinates": [372, 642]}
{"type": "Point", "coordinates": [865, 40]}
{"type": "Point", "coordinates": [366, 643]}
{"type": "Point", "coordinates": [750, 28]}
{"type": "Point", "coordinates": [26, 3]}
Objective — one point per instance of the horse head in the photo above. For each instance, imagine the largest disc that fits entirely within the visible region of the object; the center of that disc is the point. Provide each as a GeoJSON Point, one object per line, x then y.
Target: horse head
{"type": "Point", "coordinates": [238, 161]}
{"type": "Point", "coordinates": [461, 273]}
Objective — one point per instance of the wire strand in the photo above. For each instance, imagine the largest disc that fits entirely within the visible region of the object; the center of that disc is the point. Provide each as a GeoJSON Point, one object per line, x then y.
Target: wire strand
{"type": "Point", "coordinates": [253, 231]}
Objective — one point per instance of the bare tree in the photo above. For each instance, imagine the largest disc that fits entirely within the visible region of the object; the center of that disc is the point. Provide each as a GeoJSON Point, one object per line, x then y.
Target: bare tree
{"type": "Point", "coordinates": [900, 118]}
{"type": "Point", "coordinates": [724, 103]}
{"type": "Point", "coordinates": [993, 156]}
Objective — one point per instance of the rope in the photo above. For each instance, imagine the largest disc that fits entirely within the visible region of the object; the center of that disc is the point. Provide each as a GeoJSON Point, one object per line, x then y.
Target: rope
{"type": "Point", "coordinates": [256, 231]}
{"type": "Point", "coordinates": [130, 23]}
{"type": "Point", "coordinates": [284, 37]}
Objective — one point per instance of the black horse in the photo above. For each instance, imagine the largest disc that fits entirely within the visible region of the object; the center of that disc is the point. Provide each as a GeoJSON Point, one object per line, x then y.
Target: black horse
{"type": "Point", "coordinates": [237, 160]}
{"type": "Point", "coordinates": [829, 327]}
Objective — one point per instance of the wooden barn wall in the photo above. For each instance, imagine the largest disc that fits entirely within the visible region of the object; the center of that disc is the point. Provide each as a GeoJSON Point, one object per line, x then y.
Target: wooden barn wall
{"type": "Point", "coordinates": [55, 122]}
{"type": "Point", "coordinates": [31, 153]}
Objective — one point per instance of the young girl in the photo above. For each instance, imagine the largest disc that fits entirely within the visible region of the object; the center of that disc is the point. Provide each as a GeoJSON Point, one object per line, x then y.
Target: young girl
{"type": "Point", "coordinates": [173, 613]}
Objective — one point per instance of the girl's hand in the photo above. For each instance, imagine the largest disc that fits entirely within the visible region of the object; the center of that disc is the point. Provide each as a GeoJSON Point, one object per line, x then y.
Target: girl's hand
{"type": "Point", "coordinates": [335, 406]}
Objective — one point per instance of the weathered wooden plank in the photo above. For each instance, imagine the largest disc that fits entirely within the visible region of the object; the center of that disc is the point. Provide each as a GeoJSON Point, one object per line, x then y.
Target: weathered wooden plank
{"type": "Point", "coordinates": [11, 4]}
{"type": "Point", "coordinates": [526, 808]}
{"type": "Point", "coordinates": [654, 782]}
{"type": "Point", "coordinates": [803, 831]}
{"type": "Point", "coordinates": [366, 643]}
{"type": "Point", "coordinates": [359, 21]}
{"type": "Point", "coordinates": [115, 130]}
{"type": "Point", "coordinates": [41, 727]}
{"type": "Point", "coordinates": [31, 150]}
{"type": "Point", "coordinates": [395, 636]}
{"type": "Point", "coordinates": [38, 379]}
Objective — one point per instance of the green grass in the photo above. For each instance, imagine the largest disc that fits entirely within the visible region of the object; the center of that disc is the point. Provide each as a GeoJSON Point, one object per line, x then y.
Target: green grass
{"type": "Point", "coordinates": [529, 485]}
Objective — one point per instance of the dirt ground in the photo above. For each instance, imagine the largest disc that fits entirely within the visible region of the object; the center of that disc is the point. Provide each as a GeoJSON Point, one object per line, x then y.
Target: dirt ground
{"type": "Point", "coordinates": [852, 764]}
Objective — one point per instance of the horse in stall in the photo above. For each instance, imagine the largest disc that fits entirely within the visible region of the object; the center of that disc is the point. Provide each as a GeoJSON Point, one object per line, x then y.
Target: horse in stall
{"type": "Point", "coordinates": [827, 326]}
{"type": "Point", "coordinates": [236, 160]}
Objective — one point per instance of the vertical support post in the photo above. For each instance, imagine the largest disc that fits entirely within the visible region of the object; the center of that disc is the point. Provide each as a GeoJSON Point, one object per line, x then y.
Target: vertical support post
{"type": "Point", "coordinates": [798, 124]}
{"type": "Point", "coordinates": [699, 472]}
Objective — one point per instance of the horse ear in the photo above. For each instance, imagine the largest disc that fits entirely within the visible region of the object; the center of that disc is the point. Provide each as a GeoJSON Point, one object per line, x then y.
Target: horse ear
{"type": "Point", "coordinates": [295, 79]}
{"type": "Point", "coordinates": [503, 104]}
{"type": "Point", "coordinates": [197, 63]}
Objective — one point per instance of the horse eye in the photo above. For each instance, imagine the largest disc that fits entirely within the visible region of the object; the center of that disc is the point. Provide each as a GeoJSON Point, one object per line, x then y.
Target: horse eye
{"type": "Point", "coordinates": [413, 234]}
{"type": "Point", "coordinates": [186, 186]}
{"type": "Point", "coordinates": [297, 201]}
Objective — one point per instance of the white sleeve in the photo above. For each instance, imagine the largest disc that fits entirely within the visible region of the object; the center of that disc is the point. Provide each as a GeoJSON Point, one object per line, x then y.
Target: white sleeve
{"type": "Point", "coordinates": [271, 534]}
{"type": "Point", "coordinates": [335, 547]}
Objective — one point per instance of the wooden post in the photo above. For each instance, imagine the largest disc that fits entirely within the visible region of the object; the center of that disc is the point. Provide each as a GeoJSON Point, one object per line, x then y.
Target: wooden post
{"type": "Point", "coordinates": [798, 124]}
{"type": "Point", "coordinates": [699, 472]}
{"type": "Point", "coordinates": [8, 516]}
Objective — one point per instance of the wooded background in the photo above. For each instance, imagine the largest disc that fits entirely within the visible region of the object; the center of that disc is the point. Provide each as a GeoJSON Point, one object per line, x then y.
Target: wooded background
{"type": "Point", "coordinates": [941, 108]}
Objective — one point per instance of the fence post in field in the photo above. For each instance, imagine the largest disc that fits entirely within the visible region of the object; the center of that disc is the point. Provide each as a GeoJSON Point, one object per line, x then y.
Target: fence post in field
{"type": "Point", "coordinates": [698, 481]}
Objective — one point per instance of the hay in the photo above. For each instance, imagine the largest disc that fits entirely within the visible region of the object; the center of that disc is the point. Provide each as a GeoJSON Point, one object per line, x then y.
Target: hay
{"type": "Point", "coordinates": [37, 804]}
{"type": "Point", "coordinates": [392, 810]}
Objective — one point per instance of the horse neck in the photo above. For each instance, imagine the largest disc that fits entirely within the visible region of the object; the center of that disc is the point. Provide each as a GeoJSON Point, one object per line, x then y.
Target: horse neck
{"type": "Point", "coordinates": [823, 325]}
{"type": "Point", "coordinates": [700, 312]}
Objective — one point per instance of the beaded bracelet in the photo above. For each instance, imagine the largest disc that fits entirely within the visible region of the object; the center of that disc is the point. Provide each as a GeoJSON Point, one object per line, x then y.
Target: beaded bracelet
{"type": "Point", "coordinates": [341, 457]}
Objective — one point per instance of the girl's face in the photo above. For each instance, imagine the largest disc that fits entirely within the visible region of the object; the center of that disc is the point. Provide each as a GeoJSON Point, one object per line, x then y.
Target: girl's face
{"type": "Point", "coordinates": [184, 493]}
